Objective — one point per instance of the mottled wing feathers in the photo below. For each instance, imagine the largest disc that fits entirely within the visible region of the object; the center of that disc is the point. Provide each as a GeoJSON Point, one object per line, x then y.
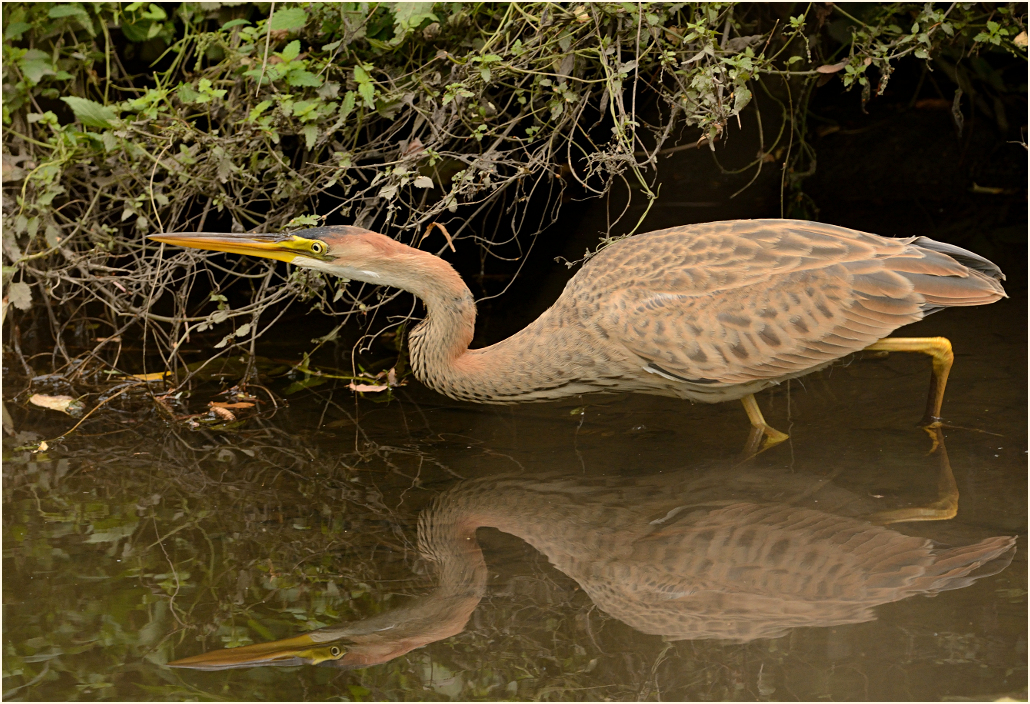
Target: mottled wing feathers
{"type": "Point", "coordinates": [733, 302]}
{"type": "Point", "coordinates": [786, 552]}
{"type": "Point", "coordinates": [756, 570]}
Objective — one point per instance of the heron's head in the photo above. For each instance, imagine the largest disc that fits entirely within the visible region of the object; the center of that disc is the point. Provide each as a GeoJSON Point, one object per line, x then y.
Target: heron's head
{"type": "Point", "coordinates": [348, 252]}
{"type": "Point", "coordinates": [299, 650]}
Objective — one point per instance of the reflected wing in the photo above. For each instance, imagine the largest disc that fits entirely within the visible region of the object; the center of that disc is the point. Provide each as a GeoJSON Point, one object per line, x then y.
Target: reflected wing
{"type": "Point", "coordinates": [740, 301]}
{"type": "Point", "coordinates": [754, 570]}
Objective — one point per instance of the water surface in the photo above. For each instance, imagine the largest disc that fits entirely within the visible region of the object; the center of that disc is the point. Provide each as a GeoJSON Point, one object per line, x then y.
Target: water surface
{"type": "Point", "coordinates": [128, 550]}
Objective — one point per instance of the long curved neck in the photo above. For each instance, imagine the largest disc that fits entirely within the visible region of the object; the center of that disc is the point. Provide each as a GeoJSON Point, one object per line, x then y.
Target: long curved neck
{"type": "Point", "coordinates": [541, 361]}
{"type": "Point", "coordinates": [439, 343]}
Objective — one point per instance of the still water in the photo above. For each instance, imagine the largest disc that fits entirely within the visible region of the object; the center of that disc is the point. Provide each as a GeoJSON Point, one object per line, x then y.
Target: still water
{"type": "Point", "coordinates": [607, 561]}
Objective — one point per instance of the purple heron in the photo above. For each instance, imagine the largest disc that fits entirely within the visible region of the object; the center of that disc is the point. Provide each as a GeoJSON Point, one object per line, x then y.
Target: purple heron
{"type": "Point", "coordinates": [659, 554]}
{"type": "Point", "coordinates": [710, 312]}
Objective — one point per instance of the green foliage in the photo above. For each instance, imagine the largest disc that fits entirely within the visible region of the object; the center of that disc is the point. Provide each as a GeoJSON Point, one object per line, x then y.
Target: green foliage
{"type": "Point", "coordinates": [121, 120]}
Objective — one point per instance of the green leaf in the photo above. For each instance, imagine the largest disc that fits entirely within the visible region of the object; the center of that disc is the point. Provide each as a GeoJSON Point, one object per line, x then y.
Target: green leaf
{"type": "Point", "coordinates": [741, 97]}
{"type": "Point", "coordinates": [409, 15]}
{"type": "Point", "coordinates": [308, 383]}
{"type": "Point", "coordinates": [35, 70]}
{"type": "Point", "coordinates": [367, 92]}
{"type": "Point", "coordinates": [289, 18]}
{"type": "Point", "coordinates": [310, 135]}
{"type": "Point", "coordinates": [258, 109]}
{"type": "Point", "coordinates": [348, 104]}
{"type": "Point", "coordinates": [303, 78]}
{"type": "Point", "coordinates": [235, 23]}
{"type": "Point", "coordinates": [14, 30]}
{"type": "Point", "coordinates": [156, 12]}
{"type": "Point", "coordinates": [73, 10]}
{"type": "Point", "coordinates": [291, 51]}
{"type": "Point", "coordinates": [187, 95]}
{"type": "Point", "coordinates": [65, 11]}
{"type": "Point", "coordinates": [92, 114]}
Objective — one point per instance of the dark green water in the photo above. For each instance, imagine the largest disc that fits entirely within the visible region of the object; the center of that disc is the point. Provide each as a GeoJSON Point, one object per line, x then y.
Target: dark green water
{"type": "Point", "coordinates": [125, 551]}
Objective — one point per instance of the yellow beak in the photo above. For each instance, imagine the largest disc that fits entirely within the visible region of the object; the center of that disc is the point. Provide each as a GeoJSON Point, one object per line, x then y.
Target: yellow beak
{"type": "Point", "coordinates": [282, 247]}
{"type": "Point", "coordinates": [299, 650]}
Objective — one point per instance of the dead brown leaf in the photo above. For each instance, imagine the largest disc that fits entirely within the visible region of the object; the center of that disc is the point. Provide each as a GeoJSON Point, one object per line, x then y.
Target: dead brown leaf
{"type": "Point", "coordinates": [64, 404]}
{"type": "Point", "coordinates": [367, 388]}
{"type": "Point", "coordinates": [831, 68]}
{"type": "Point", "coordinates": [223, 413]}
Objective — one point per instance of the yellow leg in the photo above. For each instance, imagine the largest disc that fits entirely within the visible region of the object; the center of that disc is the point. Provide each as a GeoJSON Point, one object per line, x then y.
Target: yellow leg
{"type": "Point", "coordinates": [772, 435]}
{"type": "Point", "coordinates": [940, 350]}
{"type": "Point", "coordinates": [946, 505]}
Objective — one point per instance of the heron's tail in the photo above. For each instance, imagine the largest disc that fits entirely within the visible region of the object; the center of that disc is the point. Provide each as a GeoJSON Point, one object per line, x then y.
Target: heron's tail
{"type": "Point", "coordinates": [946, 275]}
{"type": "Point", "coordinates": [955, 568]}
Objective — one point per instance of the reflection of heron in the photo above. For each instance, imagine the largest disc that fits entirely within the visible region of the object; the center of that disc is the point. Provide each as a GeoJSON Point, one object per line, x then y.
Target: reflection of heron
{"type": "Point", "coordinates": [709, 312]}
{"type": "Point", "coordinates": [648, 554]}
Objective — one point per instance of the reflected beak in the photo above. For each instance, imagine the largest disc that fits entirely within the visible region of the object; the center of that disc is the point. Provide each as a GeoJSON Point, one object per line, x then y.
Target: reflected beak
{"type": "Point", "coordinates": [282, 247]}
{"type": "Point", "coordinates": [299, 650]}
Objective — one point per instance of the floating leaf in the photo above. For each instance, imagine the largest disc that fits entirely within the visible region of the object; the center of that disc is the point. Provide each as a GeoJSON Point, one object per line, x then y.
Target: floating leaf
{"type": "Point", "coordinates": [64, 404]}
{"type": "Point", "coordinates": [367, 388]}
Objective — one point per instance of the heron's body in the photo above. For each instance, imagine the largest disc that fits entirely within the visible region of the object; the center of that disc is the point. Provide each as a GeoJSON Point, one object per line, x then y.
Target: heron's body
{"type": "Point", "coordinates": [708, 312]}
{"type": "Point", "coordinates": [651, 552]}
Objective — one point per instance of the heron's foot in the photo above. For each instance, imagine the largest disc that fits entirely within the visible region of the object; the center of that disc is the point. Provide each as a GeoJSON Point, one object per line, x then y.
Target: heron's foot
{"type": "Point", "coordinates": [935, 426]}
{"type": "Point", "coordinates": [759, 428]}
{"type": "Point", "coordinates": [933, 429]}
{"type": "Point", "coordinates": [772, 437]}
{"type": "Point", "coordinates": [937, 511]}
{"type": "Point", "coordinates": [946, 505]}
{"type": "Point", "coordinates": [761, 439]}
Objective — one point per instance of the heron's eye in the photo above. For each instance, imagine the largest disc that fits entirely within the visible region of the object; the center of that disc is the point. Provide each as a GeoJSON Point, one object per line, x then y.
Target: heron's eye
{"type": "Point", "coordinates": [319, 247]}
{"type": "Point", "coordinates": [335, 652]}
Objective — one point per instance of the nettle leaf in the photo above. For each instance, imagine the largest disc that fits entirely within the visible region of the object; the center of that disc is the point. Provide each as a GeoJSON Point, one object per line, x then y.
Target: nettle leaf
{"type": "Point", "coordinates": [423, 182]}
{"type": "Point", "coordinates": [291, 51]}
{"type": "Point", "coordinates": [409, 15]}
{"type": "Point", "coordinates": [289, 18]}
{"type": "Point", "coordinates": [76, 11]}
{"type": "Point", "coordinates": [187, 94]}
{"type": "Point", "coordinates": [367, 91]}
{"type": "Point", "coordinates": [14, 30]}
{"type": "Point", "coordinates": [741, 97]}
{"type": "Point", "coordinates": [35, 69]}
{"type": "Point", "coordinates": [65, 11]}
{"type": "Point", "coordinates": [303, 78]}
{"type": "Point", "coordinates": [20, 295]}
{"type": "Point", "coordinates": [310, 135]}
{"type": "Point", "coordinates": [348, 104]}
{"type": "Point", "coordinates": [92, 114]}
